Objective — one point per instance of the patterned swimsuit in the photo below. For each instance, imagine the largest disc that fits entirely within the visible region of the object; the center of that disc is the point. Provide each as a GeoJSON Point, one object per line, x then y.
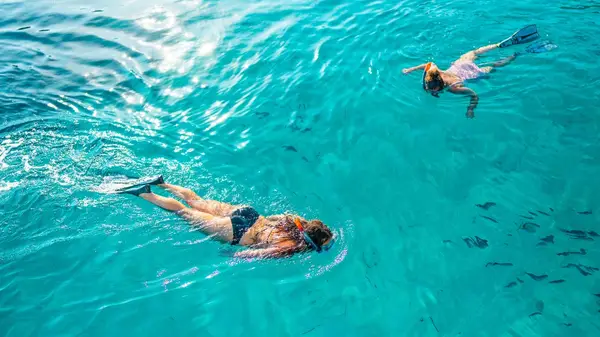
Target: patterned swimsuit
{"type": "Point", "coordinates": [465, 70]}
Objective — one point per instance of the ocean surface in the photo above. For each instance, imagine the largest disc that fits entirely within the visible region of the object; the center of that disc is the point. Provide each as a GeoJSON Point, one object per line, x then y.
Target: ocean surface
{"type": "Point", "coordinates": [446, 226]}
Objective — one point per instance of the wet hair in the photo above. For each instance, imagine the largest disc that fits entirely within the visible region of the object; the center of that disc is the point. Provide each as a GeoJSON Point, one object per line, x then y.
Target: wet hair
{"type": "Point", "coordinates": [433, 79]}
{"type": "Point", "coordinates": [318, 232]}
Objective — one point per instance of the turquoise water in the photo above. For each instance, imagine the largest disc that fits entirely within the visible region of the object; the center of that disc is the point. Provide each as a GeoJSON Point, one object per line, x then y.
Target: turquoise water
{"type": "Point", "coordinates": [296, 106]}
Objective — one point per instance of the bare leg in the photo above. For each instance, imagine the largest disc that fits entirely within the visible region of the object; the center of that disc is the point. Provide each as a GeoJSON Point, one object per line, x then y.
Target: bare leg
{"type": "Point", "coordinates": [472, 55]}
{"type": "Point", "coordinates": [180, 192]}
{"type": "Point", "coordinates": [169, 204]}
{"type": "Point", "coordinates": [196, 202]}
{"type": "Point", "coordinates": [498, 64]}
{"type": "Point", "coordinates": [218, 227]}
{"type": "Point", "coordinates": [504, 61]}
{"type": "Point", "coordinates": [485, 49]}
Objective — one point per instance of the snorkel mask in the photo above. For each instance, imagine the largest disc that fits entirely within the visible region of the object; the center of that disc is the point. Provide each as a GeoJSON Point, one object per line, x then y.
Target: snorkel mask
{"type": "Point", "coordinates": [310, 242]}
{"type": "Point", "coordinates": [434, 93]}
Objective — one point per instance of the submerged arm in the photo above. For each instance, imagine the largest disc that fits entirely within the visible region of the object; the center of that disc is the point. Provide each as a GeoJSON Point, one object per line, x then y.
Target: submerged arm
{"type": "Point", "coordinates": [410, 70]}
{"type": "Point", "coordinates": [271, 252]}
{"type": "Point", "coordinates": [281, 250]}
{"type": "Point", "coordinates": [474, 99]}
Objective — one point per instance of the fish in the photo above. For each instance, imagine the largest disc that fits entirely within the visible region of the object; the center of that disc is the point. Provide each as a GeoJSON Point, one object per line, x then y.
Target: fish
{"type": "Point", "coordinates": [594, 234]}
{"type": "Point", "coordinates": [262, 114]}
{"type": "Point", "coordinates": [371, 283]}
{"type": "Point", "coordinates": [573, 231]}
{"type": "Point", "coordinates": [577, 234]}
{"type": "Point", "coordinates": [489, 218]}
{"type": "Point", "coordinates": [557, 281]}
{"type": "Point", "coordinates": [583, 272]}
{"type": "Point", "coordinates": [289, 148]}
{"type": "Point", "coordinates": [520, 281]}
{"type": "Point", "coordinates": [551, 209]}
{"type": "Point", "coordinates": [585, 212]}
{"type": "Point", "coordinates": [534, 314]}
{"type": "Point", "coordinates": [580, 252]}
{"type": "Point", "coordinates": [544, 213]}
{"type": "Point", "coordinates": [478, 242]}
{"type": "Point", "coordinates": [481, 243]}
{"type": "Point", "coordinates": [526, 217]}
{"type": "Point", "coordinates": [511, 284]}
{"type": "Point", "coordinates": [534, 214]}
{"type": "Point", "coordinates": [529, 227]}
{"type": "Point", "coordinates": [23, 28]}
{"type": "Point", "coordinates": [537, 277]}
{"type": "Point", "coordinates": [585, 238]}
{"type": "Point", "coordinates": [486, 205]}
{"type": "Point", "coordinates": [539, 305]}
{"type": "Point", "coordinates": [597, 295]}
{"type": "Point", "coordinates": [504, 264]}
{"type": "Point", "coordinates": [548, 239]}
{"type": "Point", "coordinates": [433, 323]}
{"type": "Point", "coordinates": [307, 331]}
{"type": "Point", "coordinates": [583, 269]}
{"type": "Point", "coordinates": [590, 268]}
{"type": "Point", "coordinates": [567, 324]}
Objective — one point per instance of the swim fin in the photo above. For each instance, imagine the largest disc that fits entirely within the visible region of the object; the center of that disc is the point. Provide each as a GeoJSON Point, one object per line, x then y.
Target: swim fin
{"type": "Point", "coordinates": [154, 180]}
{"type": "Point", "coordinates": [540, 47]}
{"type": "Point", "coordinates": [526, 34]}
{"type": "Point", "coordinates": [133, 190]}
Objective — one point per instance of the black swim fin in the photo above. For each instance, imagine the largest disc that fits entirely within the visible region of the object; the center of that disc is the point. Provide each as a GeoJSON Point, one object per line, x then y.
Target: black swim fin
{"type": "Point", "coordinates": [526, 34]}
{"type": "Point", "coordinates": [154, 180]}
{"type": "Point", "coordinates": [133, 190]}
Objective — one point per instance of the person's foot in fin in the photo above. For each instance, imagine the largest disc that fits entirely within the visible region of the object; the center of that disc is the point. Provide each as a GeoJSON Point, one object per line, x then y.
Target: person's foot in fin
{"type": "Point", "coordinates": [135, 190]}
{"type": "Point", "coordinates": [154, 180]}
{"type": "Point", "coordinates": [523, 35]}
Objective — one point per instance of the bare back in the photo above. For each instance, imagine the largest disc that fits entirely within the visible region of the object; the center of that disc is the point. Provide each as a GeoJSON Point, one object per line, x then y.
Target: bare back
{"type": "Point", "coordinates": [271, 231]}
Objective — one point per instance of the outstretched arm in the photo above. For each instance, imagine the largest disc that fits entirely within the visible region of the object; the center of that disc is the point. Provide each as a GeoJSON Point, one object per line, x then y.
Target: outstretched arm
{"type": "Point", "coordinates": [472, 103]}
{"type": "Point", "coordinates": [410, 70]}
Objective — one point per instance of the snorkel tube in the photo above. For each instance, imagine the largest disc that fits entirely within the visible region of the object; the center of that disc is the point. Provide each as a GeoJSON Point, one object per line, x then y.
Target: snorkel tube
{"type": "Point", "coordinates": [305, 235]}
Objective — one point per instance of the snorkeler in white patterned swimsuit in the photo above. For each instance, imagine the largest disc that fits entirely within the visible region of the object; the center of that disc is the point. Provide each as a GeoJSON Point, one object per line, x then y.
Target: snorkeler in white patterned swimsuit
{"type": "Point", "coordinates": [464, 69]}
